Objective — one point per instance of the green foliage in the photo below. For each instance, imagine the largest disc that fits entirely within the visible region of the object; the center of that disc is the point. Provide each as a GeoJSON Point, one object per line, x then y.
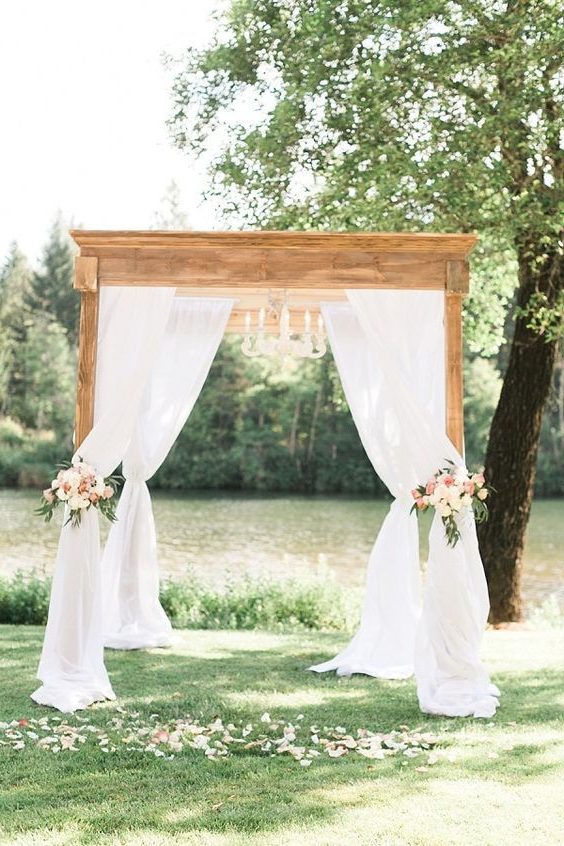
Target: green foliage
{"type": "Point", "coordinates": [15, 282]}
{"type": "Point", "coordinates": [46, 376]}
{"type": "Point", "coordinates": [258, 426]}
{"type": "Point", "coordinates": [27, 457]}
{"type": "Point", "coordinates": [482, 384]}
{"type": "Point", "coordinates": [52, 293]}
{"type": "Point", "coordinates": [24, 599]}
{"type": "Point", "coordinates": [307, 604]}
{"type": "Point", "coordinates": [310, 604]}
{"type": "Point", "coordinates": [543, 317]}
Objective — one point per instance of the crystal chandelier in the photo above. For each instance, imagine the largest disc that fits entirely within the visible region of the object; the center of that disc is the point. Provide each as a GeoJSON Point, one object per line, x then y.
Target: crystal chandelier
{"type": "Point", "coordinates": [308, 344]}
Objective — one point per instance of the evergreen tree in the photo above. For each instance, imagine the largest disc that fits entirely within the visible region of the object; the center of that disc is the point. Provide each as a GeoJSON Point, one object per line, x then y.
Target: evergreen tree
{"type": "Point", "coordinates": [52, 291]}
{"type": "Point", "coordinates": [15, 286]}
{"type": "Point", "coordinates": [46, 376]}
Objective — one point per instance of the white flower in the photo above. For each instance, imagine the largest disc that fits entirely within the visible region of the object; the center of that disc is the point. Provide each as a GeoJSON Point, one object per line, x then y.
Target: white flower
{"type": "Point", "coordinates": [99, 486]}
{"type": "Point", "coordinates": [482, 494]}
{"type": "Point", "coordinates": [445, 510]}
{"type": "Point", "coordinates": [83, 503]}
{"type": "Point", "coordinates": [466, 500]}
{"type": "Point", "coordinates": [441, 491]}
{"type": "Point", "coordinates": [61, 494]}
{"type": "Point", "coordinates": [75, 502]}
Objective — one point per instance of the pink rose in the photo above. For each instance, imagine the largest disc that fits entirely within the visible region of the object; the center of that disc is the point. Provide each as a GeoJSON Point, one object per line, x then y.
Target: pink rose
{"type": "Point", "coordinates": [415, 493]}
{"type": "Point", "coordinates": [94, 498]}
{"type": "Point", "coordinates": [469, 488]}
{"type": "Point", "coordinates": [430, 487]}
{"type": "Point", "coordinates": [420, 504]}
{"type": "Point", "coordinates": [448, 481]}
{"type": "Point", "coordinates": [478, 479]}
{"type": "Point", "coordinates": [48, 495]}
{"type": "Point", "coordinates": [160, 737]}
{"type": "Point", "coordinates": [108, 492]}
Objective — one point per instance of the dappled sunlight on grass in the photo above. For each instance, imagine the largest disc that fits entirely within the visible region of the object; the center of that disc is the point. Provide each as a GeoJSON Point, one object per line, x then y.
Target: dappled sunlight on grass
{"type": "Point", "coordinates": [504, 786]}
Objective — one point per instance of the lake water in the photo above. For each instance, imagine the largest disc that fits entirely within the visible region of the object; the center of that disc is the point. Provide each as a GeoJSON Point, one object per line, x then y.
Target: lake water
{"type": "Point", "coordinates": [214, 534]}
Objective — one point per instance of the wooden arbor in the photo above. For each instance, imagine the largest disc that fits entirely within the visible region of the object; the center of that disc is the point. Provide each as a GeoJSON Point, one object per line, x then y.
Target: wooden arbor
{"type": "Point", "coordinates": [312, 267]}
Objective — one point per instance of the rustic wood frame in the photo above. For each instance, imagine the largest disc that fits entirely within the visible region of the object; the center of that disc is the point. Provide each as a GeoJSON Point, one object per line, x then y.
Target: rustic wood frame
{"type": "Point", "coordinates": [311, 266]}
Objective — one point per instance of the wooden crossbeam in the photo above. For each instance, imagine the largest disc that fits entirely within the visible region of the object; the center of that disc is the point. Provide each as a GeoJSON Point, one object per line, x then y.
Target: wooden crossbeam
{"type": "Point", "coordinates": [307, 267]}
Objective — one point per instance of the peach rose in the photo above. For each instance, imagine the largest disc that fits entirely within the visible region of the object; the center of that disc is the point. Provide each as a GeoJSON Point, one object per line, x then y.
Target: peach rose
{"type": "Point", "coordinates": [48, 495]}
{"type": "Point", "coordinates": [108, 492]}
{"type": "Point", "coordinates": [430, 487]}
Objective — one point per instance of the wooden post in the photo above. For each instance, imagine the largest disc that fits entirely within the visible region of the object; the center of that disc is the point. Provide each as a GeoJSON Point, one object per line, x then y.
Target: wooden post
{"type": "Point", "coordinates": [457, 285]}
{"type": "Point", "coordinates": [86, 281]}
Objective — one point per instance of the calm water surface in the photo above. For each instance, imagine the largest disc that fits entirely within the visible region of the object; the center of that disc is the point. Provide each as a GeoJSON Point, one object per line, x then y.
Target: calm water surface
{"type": "Point", "coordinates": [282, 536]}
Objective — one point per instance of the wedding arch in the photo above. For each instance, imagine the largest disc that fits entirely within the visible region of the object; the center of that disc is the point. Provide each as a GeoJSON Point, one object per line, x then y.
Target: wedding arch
{"type": "Point", "coordinates": [154, 307]}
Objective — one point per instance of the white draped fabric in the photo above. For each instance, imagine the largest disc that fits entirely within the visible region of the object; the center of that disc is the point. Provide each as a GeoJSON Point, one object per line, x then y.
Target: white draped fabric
{"type": "Point", "coordinates": [131, 327]}
{"type": "Point", "coordinates": [388, 346]}
{"type": "Point", "coordinates": [133, 616]}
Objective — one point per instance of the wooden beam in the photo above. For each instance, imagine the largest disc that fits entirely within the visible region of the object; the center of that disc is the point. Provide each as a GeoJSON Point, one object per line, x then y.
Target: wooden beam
{"type": "Point", "coordinates": [86, 273]}
{"type": "Point", "coordinates": [457, 244]}
{"type": "Point", "coordinates": [457, 277]}
{"type": "Point", "coordinates": [86, 378]}
{"type": "Point", "coordinates": [453, 369]}
{"type": "Point", "coordinates": [272, 268]}
{"type": "Point", "coordinates": [252, 298]}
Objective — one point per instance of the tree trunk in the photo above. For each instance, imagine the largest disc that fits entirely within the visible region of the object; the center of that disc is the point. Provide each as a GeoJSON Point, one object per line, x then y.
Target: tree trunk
{"type": "Point", "coordinates": [513, 443]}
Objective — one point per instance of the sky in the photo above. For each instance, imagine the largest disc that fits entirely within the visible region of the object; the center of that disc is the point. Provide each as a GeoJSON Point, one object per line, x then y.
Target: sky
{"type": "Point", "coordinates": [84, 98]}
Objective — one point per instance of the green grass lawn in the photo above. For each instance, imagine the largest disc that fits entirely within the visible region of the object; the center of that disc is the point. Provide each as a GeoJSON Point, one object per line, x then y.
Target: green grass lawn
{"type": "Point", "coordinates": [506, 786]}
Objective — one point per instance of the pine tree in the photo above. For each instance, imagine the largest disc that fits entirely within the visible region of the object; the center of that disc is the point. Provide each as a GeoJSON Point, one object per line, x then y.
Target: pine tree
{"type": "Point", "coordinates": [15, 287]}
{"type": "Point", "coordinates": [52, 291]}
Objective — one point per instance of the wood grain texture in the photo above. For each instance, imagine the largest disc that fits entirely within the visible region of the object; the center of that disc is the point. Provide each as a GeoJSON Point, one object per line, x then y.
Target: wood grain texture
{"type": "Point", "coordinates": [86, 273]}
{"type": "Point", "coordinates": [459, 244]}
{"type": "Point", "coordinates": [86, 378]}
{"type": "Point", "coordinates": [252, 297]}
{"type": "Point", "coordinates": [453, 370]}
{"type": "Point", "coordinates": [275, 268]}
{"type": "Point", "coordinates": [457, 277]}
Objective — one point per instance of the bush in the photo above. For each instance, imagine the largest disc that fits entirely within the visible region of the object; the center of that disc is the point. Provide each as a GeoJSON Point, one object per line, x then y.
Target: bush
{"type": "Point", "coordinates": [246, 603]}
{"type": "Point", "coordinates": [24, 600]}
{"type": "Point", "coordinates": [311, 605]}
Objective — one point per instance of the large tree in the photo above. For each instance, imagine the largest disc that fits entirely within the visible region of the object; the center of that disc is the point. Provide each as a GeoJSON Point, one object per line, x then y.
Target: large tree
{"type": "Point", "coordinates": [375, 114]}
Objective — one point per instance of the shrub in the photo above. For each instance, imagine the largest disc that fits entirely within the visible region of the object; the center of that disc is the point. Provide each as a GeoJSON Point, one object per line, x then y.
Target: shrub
{"type": "Point", "coordinates": [24, 599]}
{"type": "Point", "coordinates": [251, 603]}
{"type": "Point", "coordinates": [244, 603]}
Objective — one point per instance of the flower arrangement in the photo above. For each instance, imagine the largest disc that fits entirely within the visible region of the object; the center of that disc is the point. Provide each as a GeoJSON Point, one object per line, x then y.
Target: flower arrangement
{"type": "Point", "coordinates": [451, 490]}
{"type": "Point", "coordinates": [78, 486]}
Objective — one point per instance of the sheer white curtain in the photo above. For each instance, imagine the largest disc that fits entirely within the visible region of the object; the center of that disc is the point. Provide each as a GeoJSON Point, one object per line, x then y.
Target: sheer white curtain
{"type": "Point", "coordinates": [131, 327]}
{"type": "Point", "coordinates": [133, 616]}
{"type": "Point", "coordinates": [394, 390]}
{"type": "Point", "coordinates": [384, 644]}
